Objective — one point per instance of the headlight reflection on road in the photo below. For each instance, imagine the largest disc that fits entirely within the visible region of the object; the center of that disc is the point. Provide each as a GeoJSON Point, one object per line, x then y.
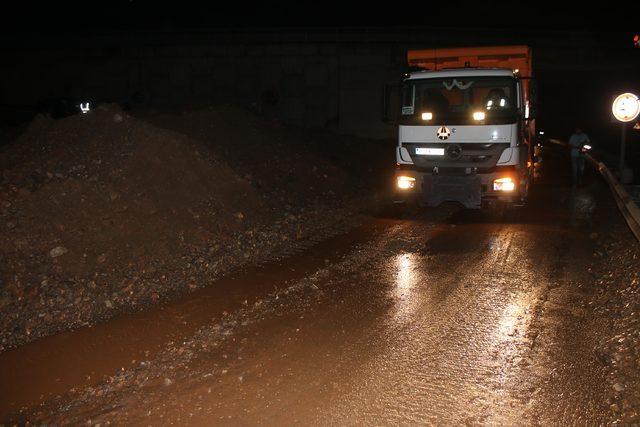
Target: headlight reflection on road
{"type": "Point", "coordinates": [405, 281]}
{"type": "Point", "coordinates": [512, 319]}
{"type": "Point", "coordinates": [406, 277]}
{"type": "Point", "coordinates": [511, 332]}
{"type": "Point", "coordinates": [510, 342]}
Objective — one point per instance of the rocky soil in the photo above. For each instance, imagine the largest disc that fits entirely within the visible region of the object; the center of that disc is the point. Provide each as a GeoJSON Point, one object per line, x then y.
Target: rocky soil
{"type": "Point", "coordinates": [616, 305]}
{"type": "Point", "coordinates": [106, 212]}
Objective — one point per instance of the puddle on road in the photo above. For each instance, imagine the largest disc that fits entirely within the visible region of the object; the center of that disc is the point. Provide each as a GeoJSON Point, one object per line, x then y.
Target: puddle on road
{"type": "Point", "coordinates": [53, 365]}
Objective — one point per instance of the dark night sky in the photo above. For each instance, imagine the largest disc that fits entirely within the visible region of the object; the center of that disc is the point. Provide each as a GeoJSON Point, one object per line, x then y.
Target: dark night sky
{"type": "Point", "coordinates": [585, 90]}
{"type": "Point", "coordinates": [55, 17]}
{"type": "Point", "coordinates": [533, 21]}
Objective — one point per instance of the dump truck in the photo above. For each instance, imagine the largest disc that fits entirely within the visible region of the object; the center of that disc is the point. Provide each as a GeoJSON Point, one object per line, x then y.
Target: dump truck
{"type": "Point", "coordinates": [466, 127]}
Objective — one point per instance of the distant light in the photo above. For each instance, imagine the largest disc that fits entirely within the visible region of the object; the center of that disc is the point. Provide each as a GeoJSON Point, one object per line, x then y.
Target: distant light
{"type": "Point", "coordinates": [586, 147]}
{"type": "Point", "coordinates": [85, 108]}
{"type": "Point", "coordinates": [427, 116]}
{"type": "Point", "coordinates": [478, 115]}
{"type": "Point", "coordinates": [516, 71]}
{"type": "Point", "coordinates": [626, 107]}
{"type": "Point", "coordinates": [503, 102]}
{"type": "Point", "coordinates": [541, 133]}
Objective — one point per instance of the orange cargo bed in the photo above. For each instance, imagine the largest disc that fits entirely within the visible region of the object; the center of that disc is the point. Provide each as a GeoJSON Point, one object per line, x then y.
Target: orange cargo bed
{"type": "Point", "coordinates": [511, 57]}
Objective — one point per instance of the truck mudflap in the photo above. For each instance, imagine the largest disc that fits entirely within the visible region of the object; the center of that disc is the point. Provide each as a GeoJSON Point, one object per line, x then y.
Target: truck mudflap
{"type": "Point", "coordinates": [465, 189]}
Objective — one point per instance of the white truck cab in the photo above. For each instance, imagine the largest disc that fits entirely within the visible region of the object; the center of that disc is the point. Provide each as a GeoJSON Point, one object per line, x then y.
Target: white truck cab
{"type": "Point", "coordinates": [463, 136]}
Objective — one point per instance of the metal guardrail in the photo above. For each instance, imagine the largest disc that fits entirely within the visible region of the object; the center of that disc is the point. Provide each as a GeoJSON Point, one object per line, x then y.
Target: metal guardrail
{"type": "Point", "coordinates": [627, 206]}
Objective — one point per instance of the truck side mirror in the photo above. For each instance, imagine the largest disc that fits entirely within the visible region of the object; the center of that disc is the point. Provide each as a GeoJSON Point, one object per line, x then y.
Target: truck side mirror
{"type": "Point", "coordinates": [390, 103]}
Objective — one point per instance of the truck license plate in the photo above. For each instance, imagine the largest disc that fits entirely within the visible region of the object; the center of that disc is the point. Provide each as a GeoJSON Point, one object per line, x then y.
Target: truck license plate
{"type": "Point", "coordinates": [430, 151]}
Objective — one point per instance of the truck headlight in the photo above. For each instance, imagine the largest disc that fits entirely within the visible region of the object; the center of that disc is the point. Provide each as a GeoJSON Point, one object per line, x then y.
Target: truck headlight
{"type": "Point", "coordinates": [504, 184]}
{"type": "Point", "coordinates": [406, 182]}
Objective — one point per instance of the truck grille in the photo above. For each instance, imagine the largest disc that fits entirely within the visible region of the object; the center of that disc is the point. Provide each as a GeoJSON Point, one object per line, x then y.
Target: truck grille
{"type": "Point", "coordinates": [458, 155]}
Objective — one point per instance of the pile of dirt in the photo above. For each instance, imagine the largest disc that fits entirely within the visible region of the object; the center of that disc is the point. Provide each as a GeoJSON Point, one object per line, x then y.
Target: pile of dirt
{"type": "Point", "coordinates": [104, 211]}
{"type": "Point", "coordinates": [290, 166]}
{"type": "Point", "coordinates": [615, 304]}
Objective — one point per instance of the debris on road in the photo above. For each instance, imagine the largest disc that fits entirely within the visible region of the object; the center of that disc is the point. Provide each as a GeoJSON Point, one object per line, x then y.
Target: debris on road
{"type": "Point", "coordinates": [57, 251]}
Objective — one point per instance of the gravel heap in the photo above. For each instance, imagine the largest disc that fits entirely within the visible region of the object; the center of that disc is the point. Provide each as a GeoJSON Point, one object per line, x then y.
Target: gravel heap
{"type": "Point", "coordinates": [104, 212]}
{"type": "Point", "coordinates": [617, 303]}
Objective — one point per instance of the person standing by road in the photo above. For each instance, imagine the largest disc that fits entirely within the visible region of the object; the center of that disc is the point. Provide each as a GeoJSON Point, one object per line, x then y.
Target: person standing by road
{"type": "Point", "coordinates": [577, 141]}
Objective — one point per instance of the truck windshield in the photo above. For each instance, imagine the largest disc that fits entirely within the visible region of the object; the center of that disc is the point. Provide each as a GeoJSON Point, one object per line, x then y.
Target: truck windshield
{"type": "Point", "coordinates": [464, 100]}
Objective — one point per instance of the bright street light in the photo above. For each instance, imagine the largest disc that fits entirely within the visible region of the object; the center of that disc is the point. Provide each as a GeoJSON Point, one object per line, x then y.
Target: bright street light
{"type": "Point", "coordinates": [626, 107]}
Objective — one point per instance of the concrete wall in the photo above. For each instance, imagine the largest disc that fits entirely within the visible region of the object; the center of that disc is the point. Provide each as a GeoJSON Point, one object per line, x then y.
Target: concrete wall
{"type": "Point", "coordinates": [310, 84]}
{"type": "Point", "coordinates": [323, 79]}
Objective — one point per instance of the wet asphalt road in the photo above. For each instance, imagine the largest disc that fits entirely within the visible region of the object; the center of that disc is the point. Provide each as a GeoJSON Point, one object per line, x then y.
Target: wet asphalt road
{"type": "Point", "coordinates": [443, 316]}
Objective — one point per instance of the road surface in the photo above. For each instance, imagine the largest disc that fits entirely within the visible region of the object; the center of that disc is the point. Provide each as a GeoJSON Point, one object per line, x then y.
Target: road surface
{"type": "Point", "coordinates": [443, 316]}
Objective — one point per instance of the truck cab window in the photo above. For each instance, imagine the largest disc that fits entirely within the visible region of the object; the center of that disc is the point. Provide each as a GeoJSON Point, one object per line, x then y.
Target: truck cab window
{"type": "Point", "coordinates": [434, 100]}
{"type": "Point", "coordinates": [454, 101]}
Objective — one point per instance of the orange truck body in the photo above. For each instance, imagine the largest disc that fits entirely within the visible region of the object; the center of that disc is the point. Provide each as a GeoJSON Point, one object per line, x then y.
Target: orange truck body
{"type": "Point", "coordinates": [513, 57]}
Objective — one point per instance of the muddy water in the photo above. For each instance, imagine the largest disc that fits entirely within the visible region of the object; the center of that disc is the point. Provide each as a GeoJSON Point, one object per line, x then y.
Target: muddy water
{"type": "Point", "coordinates": [470, 321]}
{"type": "Point", "coordinates": [51, 366]}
